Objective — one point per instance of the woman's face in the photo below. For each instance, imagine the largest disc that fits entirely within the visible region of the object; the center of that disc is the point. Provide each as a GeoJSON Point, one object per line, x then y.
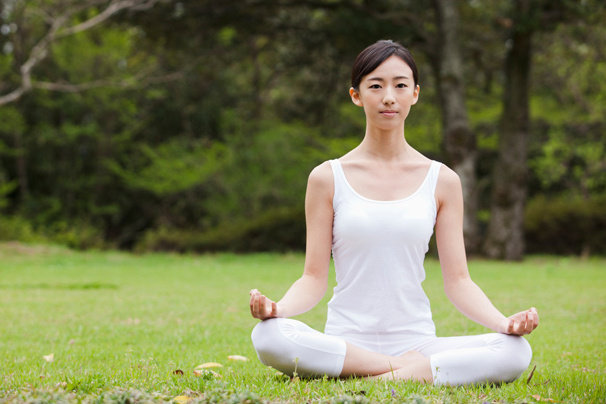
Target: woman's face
{"type": "Point", "coordinates": [387, 93]}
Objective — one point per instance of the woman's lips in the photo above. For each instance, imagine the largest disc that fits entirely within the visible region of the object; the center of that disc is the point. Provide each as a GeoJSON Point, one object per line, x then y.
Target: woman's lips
{"type": "Point", "coordinates": [388, 113]}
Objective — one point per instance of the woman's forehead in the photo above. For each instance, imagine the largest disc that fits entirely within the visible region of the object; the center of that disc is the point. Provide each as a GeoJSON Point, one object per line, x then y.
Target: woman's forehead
{"type": "Point", "coordinates": [392, 68]}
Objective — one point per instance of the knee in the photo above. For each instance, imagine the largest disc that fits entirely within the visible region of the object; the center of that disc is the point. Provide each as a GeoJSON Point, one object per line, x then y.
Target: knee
{"type": "Point", "coordinates": [518, 355]}
{"type": "Point", "coordinates": [273, 347]}
{"type": "Point", "coordinates": [264, 337]}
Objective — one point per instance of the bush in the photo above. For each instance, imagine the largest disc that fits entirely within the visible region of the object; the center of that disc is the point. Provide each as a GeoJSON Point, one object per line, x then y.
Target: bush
{"type": "Point", "coordinates": [80, 235]}
{"type": "Point", "coordinates": [566, 225]}
{"type": "Point", "coordinates": [16, 228]}
{"type": "Point", "coordinates": [279, 230]}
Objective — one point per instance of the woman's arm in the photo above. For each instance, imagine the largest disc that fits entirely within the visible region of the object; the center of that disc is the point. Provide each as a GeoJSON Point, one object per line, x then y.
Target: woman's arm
{"type": "Point", "coordinates": [467, 297]}
{"type": "Point", "coordinates": [308, 290]}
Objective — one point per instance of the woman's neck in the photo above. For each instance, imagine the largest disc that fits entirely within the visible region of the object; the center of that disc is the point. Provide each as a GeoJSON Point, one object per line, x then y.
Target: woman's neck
{"type": "Point", "coordinates": [387, 146]}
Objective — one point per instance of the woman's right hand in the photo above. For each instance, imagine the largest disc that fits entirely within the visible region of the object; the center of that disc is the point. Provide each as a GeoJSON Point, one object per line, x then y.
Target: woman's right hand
{"type": "Point", "coordinates": [262, 307]}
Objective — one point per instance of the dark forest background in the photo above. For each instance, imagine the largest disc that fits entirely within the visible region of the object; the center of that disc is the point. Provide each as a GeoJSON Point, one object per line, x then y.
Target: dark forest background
{"type": "Point", "coordinates": [192, 125]}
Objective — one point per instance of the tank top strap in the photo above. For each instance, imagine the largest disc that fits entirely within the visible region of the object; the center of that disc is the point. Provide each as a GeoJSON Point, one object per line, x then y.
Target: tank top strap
{"type": "Point", "coordinates": [432, 176]}
{"type": "Point", "coordinates": [340, 181]}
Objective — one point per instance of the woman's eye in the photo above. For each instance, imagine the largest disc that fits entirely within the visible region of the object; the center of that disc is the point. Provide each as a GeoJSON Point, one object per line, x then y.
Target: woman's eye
{"type": "Point", "coordinates": [375, 86]}
{"type": "Point", "coordinates": [401, 85]}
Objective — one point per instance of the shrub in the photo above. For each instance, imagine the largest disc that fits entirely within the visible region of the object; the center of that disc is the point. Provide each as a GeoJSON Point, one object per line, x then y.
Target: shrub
{"type": "Point", "coordinates": [16, 228]}
{"type": "Point", "coordinates": [78, 235]}
{"type": "Point", "coordinates": [280, 230]}
{"type": "Point", "coordinates": [566, 225]}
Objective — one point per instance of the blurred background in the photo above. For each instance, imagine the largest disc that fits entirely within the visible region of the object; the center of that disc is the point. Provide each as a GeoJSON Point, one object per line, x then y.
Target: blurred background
{"type": "Point", "coordinates": [192, 126]}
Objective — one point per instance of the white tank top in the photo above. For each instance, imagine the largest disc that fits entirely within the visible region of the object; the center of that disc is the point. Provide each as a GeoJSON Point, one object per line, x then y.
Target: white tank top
{"type": "Point", "coordinates": [378, 249]}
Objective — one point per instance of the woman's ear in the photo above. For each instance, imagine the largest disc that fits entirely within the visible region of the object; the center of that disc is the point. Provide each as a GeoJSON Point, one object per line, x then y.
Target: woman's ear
{"type": "Point", "coordinates": [416, 94]}
{"type": "Point", "coordinates": [355, 97]}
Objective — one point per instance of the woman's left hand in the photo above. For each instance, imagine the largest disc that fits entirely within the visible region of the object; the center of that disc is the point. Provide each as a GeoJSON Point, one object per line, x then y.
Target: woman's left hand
{"type": "Point", "coordinates": [521, 323]}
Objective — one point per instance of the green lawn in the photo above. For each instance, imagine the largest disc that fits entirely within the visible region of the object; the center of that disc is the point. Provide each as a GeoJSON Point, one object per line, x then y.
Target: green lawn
{"type": "Point", "coordinates": [123, 328]}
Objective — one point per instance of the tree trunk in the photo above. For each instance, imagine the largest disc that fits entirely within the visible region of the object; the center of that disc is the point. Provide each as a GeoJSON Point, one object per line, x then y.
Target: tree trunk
{"type": "Point", "coordinates": [505, 238]}
{"type": "Point", "coordinates": [459, 140]}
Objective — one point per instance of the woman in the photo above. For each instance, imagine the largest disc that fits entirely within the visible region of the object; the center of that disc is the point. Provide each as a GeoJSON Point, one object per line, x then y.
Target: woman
{"type": "Point", "coordinates": [375, 208]}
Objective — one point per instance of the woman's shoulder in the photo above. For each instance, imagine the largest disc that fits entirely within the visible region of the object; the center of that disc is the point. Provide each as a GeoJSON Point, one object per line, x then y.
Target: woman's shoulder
{"type": "Point", "coordinates": [449, 184]}
{"type": "Point", "coordinates": [322, 176]}
{"type": "Point", "coordinates": [448, 177]}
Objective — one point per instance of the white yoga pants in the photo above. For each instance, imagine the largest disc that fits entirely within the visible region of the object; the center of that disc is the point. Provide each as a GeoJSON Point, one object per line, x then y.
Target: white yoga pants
{"type": "Point", "coordinates": [291, 346]}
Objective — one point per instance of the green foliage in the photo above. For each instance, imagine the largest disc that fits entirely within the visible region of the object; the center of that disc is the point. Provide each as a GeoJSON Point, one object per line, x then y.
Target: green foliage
{"type": "Point", "coordinates": [566, 225]}
{"type": "Point", "coordinates": [573, 160]}
{"type": "Point", "coordinates": [279, 229]}
{"type": "Point", "coordinates": [16, 228]}
{"type": "Point", "coordinates": [152, 134]}
{"type": "Point", "coordinates": [77, 235]}
{"type": "Point", "coordinates": [173, 166]}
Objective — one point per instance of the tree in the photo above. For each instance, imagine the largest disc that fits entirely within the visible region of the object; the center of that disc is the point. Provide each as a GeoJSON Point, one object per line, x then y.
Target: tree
{"type": "Point", "coordinates": [505, 238]}
{"type": "Point", "coordinates": [459, 140]}
{"type": "Point", "coordinates": [54, 21]}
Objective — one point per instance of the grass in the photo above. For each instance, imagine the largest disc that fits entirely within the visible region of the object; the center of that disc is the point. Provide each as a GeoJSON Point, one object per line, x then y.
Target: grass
{"type": "Point", "coordinates": [122, 328]}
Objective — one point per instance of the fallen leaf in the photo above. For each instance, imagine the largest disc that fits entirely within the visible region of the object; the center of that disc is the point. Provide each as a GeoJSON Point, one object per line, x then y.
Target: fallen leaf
{"type": "Point", "coordinates": [209, 365]}
{"type": "Point", "coordinates": [182, 399]}
{"type": "Point", "coordinates": [49, 358]}
{"type": "Point", "coordinates": [178, 372]}
{"type": "Point", "coordinates": [237, 358]}
{"type": "Point", "coordinates": [539, 398]}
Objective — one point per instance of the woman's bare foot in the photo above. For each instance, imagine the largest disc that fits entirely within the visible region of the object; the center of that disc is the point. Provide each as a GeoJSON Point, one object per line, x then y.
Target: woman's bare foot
{"type": "Point", "coordinates": [409, 366]}
{"type": "Point", "coordinates": [412, 365]}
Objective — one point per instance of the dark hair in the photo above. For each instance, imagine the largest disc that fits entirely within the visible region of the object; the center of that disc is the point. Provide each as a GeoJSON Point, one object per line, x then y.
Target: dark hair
{"type": "Point", "coordinates": [371, 57]}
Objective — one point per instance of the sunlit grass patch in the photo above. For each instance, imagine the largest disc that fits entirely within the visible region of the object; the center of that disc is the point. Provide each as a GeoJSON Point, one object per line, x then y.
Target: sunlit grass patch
{"type": "Point", "coordinates": [121, 326]}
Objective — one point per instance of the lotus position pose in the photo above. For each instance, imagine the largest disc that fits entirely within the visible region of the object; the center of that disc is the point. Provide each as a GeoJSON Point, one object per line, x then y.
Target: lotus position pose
{"type": "Point", "coordinates": [375, 209]}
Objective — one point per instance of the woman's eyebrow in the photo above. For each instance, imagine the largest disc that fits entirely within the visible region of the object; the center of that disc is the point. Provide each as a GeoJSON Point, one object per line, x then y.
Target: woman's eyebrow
{"type": "Point", "coordinates": [395, 78]}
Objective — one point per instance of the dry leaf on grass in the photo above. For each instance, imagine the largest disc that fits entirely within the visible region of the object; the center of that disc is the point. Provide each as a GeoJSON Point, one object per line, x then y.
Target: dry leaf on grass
{"type": "Point", "coordinates": [178, 372]}
{"type": "Point", "coordinates": [539, 398]}
{"type": "Point", "coordinates": [182, 399]}
{"type": "Point", "coordinates": [237, 358]}
{"type": "Point", "coordinates": [49, 358]}
{"type": "Point", "coordinates": [209, 365]}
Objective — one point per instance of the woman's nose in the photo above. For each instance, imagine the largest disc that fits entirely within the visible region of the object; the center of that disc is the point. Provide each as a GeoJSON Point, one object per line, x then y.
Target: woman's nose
{"type": "Point", "coordinates": [388, 97]}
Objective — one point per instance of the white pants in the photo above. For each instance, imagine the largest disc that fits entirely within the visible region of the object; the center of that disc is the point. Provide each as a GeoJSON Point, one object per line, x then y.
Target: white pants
{"type": "Point", "coordinates": [291, 346]}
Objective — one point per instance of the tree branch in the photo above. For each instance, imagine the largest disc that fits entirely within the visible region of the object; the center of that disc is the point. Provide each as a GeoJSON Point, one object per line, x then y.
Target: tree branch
{"type": "Point", "coordinates": [56, 31]}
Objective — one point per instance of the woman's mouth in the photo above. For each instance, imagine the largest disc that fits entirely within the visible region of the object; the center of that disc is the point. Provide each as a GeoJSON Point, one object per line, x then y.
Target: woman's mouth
{"type": "Point", "coordinates": [388, 113]}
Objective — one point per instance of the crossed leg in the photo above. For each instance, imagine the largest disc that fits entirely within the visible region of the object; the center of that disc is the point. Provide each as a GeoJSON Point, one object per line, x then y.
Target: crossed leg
{"type": "Point", "coordinates": [410, 366]}
{"type": "Point", "coordinates": [293, 347]}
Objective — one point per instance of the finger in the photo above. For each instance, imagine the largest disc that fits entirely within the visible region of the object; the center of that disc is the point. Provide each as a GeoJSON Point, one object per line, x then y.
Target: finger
{"type": "Point", "coordinates": [261, 305]}
{"type": "Point", "coordinates": [519, 327]}
{"type": "Point", "coordinates": [535, 317]}
{"type": "Point", "coordinates": [253, 300]}
{"type": "Point", "coordinates": [529, 322]}
{"type": "Point", "coordinates": [274, 309]}
{"type": "Point", "coordinates": [519, 324]}
{"type": "Point", "coordinates": [255, 306]}
{"type": "Point", "coordinates": [510, 326]}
